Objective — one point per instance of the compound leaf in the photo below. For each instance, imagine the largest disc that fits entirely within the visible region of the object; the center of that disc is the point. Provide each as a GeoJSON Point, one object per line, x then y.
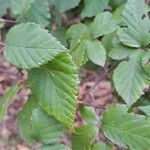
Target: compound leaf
{"type": "Point", "coordinates": [126, 129]}
{"type": "Point", "coordinates": [130, 79]}
{"type": "Point", "coordinates": [135, 16]}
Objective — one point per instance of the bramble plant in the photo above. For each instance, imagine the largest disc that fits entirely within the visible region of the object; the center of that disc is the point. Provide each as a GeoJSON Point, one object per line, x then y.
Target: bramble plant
{"type": "Point", "coordinates": [114, 32]}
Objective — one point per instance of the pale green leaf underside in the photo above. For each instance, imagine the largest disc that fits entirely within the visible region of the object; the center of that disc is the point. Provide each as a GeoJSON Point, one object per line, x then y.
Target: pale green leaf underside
{"type": "Point", "coordinates": [55, 87]}
{"type": "Point", "coordinates": [6, 100]}
{"type": "Point", "coordinates": [20, 7]}
{"type": "Point", "coordinates": [96, 5]}
{"type": "Point", "coordinates": [104, 23]}
{"type": "Point", "coordinates": [96, 52]}
{"type": "Point", "coordinates": [130, 79]}
{"type": "Point", "coordinates": [126, 129]}
{"type": "Point", "coordinates": [55, 147]}
{"type": "Point", "coordinates": [35, 125]}
{"type": "Point", "coordinates": [28, 46]}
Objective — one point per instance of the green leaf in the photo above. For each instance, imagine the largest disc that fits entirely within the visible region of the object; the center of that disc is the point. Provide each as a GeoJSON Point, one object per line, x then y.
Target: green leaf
{"type": "Point", "coordinates": [89, 114]}
{"type": "Point", "coordinates": [60, 35]}
{"type": "Point", "coordinates": [55, 147]}
{"type": "Point", "coordinates": [135, 16]}
{"type": "Point", "coordinates": [110, 41]}
{"type": "Point", "coordinates": [47, 130]}
{"type": "Point", "coordinates": [130, 79]}
{"type": "Point", "coordinates": [96, 5]}
{"type": "Point", "coordinates": [116, 3]}
{"type": "Point", "coordinates": [4, 4]}
{"type": "Point", "coordinates": [145, 62]}
{"type": "Point", "coordinates": [126, 129]}
{"type": "Point", "coordinates": [101, 146]}
{"type": "Point", "coordinates": [76, 34]}
{"type": "Point", "coordinates": [83, 138]}
{"type": "Point", "coordinates": [35, 125]}
{"type": "Point", "coordinates": [145, 109]}
{"type": "Point", "coordinates": [104, 23]}
{"type": "Point", "coordinates": [28, 46]}
{"type": "Point", "coordinates": [55, 88]}
{"type": "Point", "coordinates": [7, 99]}
{"type": "Point", "coordinates": [79, 54]}
{"type": "Point", "coordinates": [39, 13]}
{"type": "Point", "coordinates": [96, 52]}
{"type": "Point", "coordinates": [64, 5]}
{"type": "Point", "coordinates": [121, 52]}
{"type": "Point", "coordinates": [20, 8]}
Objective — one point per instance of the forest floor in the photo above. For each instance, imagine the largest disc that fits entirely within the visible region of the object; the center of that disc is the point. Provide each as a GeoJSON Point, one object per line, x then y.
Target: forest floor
{"type": "Point", "coordinates": [95, 90]}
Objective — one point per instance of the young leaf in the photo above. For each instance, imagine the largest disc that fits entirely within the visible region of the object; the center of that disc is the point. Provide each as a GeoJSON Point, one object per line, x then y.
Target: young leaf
{"type": "Point", "coordinates": [83, 138]}
{"type": "Point", "coordinates": [145, 109]}
{"type": "Point", "coordinates": [55, 147]}
{"type": "Point", "coordinates": [20, 8]}
{"type": "Point", "coordinates": [130, 79]}
{"type": "Point", "coordinates": [96, 5]}
{"type": "Point", "coordinates": [39, 13]}
{"type": "Point", "coordinates": [55, 88]}
{"type": "Point", "coordinates": [126, 129]}
{"type": "Point", "coordinates": [96, 52]}
{"type": "Point", "coordinates": [135, 16]}
{"type": "Point", "coordinates": [6, 100]}
{"type": "Point", "coordinates": [28, 46]}
{"type": "Point", "coordinates": [104, 23]}
{"type": "Point", "coordinates": [101, 146]}
{"type": "Point", "coordinates": [36, 125]}
{"type": "Point", "coordinates": [89, 114]}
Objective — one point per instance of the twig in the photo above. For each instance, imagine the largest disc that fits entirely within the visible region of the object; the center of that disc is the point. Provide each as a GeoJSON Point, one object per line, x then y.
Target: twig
{"type": "Point", "coordinates": [92, 105]}
{"type": "Point", "coordinates": [8, 73]}
{"type": "Point", "coordinates": [7, 21]}
{"type": "Point", "coordinates": [102, 77]}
